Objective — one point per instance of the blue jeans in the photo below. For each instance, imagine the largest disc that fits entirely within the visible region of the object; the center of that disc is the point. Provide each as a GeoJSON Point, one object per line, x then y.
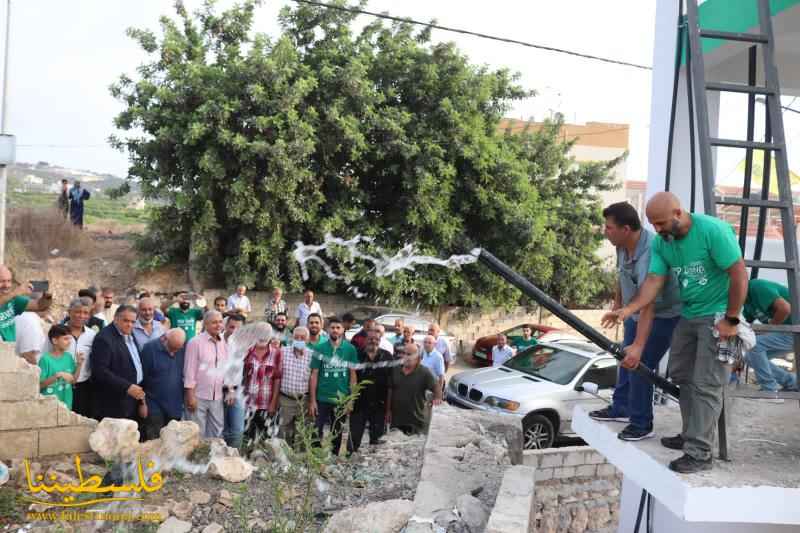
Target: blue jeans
{"type": "Point", "coordinates": [234, 423]}
{"type": "Point", "coordinates": [770, 376]}
{"type": "Point", "coordinates": [633, 395]}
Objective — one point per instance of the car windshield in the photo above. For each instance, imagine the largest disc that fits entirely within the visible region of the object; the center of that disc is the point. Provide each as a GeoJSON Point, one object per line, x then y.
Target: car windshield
{"type": "Point", "coordinates": [548, 363]}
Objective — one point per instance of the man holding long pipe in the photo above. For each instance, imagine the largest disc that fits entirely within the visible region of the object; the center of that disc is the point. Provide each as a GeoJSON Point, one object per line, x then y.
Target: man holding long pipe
{"type": "Point", "coordinates": [703, 252]}
{"type": "Point", "coordinates": [647, 334]}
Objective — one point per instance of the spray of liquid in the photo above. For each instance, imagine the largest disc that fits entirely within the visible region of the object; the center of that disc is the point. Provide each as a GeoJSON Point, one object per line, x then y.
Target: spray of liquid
{"type": "Point", "coordinates": [382, 264]}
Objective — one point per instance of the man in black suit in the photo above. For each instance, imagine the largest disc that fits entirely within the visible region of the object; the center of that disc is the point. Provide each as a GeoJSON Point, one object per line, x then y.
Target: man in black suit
{"type": "Point", "coordinates": [117, 368]}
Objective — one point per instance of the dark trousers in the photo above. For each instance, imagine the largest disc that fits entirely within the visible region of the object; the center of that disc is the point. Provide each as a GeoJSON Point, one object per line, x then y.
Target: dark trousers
{"type": "Point", "coordinates": [82, 399]}
{"type": "Point", "coordinates": [326, 414]}
{"type": "Point", "coordinates": [372, 414]}
{"type": "Point", "coordinates": [633, 395]}
{"type": "Point", "coordinates": [261, 425]}
{"type": "Point", "coordinates": [151, 426]}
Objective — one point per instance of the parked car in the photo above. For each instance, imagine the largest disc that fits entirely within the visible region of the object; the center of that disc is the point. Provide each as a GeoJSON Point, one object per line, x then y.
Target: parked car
{"type": "Point", "coordinates": [387, 316]}
{"type": "Point", "coordinates": [540, 385]}
{"type": "Point", "coordinates": [482, 351]}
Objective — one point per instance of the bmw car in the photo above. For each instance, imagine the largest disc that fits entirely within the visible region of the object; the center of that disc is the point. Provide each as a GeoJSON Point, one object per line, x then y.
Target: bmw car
{"type": "Point", "coordinates": [541, 385]}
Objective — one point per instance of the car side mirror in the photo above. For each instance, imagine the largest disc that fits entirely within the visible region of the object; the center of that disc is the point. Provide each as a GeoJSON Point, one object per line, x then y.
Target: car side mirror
{"type": "Point", "coordinates": [588, 387]}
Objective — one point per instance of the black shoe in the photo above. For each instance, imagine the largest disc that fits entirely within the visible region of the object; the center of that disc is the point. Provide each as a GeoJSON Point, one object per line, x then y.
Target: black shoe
{"type": "Point", "coordinates": [631, 432]}
{"type": "Point", "coordinates": [686, 464]}
{"type": "Point", "coordinates": [606, 415]}
{"type": "Point", "coordinates": [377, 442]}
{"type": "Point", "coordinates": [673, 443]}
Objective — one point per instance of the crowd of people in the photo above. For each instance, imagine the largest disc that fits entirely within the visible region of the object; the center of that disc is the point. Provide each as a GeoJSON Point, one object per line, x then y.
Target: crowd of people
{"type": "Point", "coordinates": [685, 289]}
{"type": "Point", "coordinates": [156, 361]}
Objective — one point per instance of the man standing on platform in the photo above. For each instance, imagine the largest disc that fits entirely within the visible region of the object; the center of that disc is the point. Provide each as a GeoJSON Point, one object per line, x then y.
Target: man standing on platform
{"type": "Point", "coordinates": [647, 334]}
{"type": "Point", "coordinates": [703, 252]}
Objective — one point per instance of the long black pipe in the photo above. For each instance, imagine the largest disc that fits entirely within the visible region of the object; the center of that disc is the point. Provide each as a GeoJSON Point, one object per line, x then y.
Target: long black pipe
{"type": "Point", "coordinates": [534, 292]}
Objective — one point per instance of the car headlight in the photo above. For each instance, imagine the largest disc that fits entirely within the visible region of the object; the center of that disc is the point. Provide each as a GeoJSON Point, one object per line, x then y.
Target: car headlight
{"type": "Point", "coordinates": [508, 405]}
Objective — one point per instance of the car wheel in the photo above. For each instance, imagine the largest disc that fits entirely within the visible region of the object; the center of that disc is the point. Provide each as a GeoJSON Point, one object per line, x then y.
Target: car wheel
{"type": "Point", "coordinates": [537, 432]}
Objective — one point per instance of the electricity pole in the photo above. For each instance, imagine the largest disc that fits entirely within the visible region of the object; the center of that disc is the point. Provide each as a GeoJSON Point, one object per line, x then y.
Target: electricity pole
{"type": "Point", "coordinates": [3, 131]}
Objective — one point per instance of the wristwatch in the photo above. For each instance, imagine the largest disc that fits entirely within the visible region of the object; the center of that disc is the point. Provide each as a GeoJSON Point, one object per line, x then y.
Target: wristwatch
{"type": "Point", "coordinates": [732, 320]}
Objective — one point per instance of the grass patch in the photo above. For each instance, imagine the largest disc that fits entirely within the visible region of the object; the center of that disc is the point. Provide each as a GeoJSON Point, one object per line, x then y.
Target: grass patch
{"type": "Point", "coordinates": [11, 507]}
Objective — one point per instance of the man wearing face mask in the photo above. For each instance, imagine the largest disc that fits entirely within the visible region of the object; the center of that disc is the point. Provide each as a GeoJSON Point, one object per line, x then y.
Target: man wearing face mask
{"type": "Point", "coordinates": [703, 252]}
{"type": "Point", "coordinates": [293, 384]}
{"type": "Point", "coordinates": [184, 316]}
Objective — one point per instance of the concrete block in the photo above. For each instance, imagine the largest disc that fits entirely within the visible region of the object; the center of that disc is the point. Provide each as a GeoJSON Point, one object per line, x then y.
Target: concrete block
{"type": "Point", "coordinates": [29, 413]}
{"type": "Point", "coordinates": [564, 472]}
{"type": "Point", "coordinates": [19, 444]}
{"type": "Point", "coordinates": [530, 458]}
{"type": "Point", "coordinates": [544, 474]}
{"type": "Point", "coordinates": [20, 384]}
{"type": "Point", "coordinates": [9, 360]}
{"type": "Point", "coordinates": [575, 459]}
{"type": "Point", "coordinates": [586, 471]}
{"type": "Point", "coordinates": [67, 417]}
{"type": "Point", "coordinates": [606, 470]}
{"type": "Point", "coordinates": [67, 439]}
{"type": "Point", "coordinates": [514, 509]}
{"type": "Point", "coordinates": [551, 459]}
{"type": "Point", "coordinates": [594, 458]}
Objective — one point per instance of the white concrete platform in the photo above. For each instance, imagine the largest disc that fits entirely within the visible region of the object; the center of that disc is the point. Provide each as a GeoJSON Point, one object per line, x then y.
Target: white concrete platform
{"type": "Point", "coordinates": [760, 485]}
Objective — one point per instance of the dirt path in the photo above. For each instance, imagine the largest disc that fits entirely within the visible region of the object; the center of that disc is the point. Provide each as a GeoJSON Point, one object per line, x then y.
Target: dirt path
{"type": "Point", "coordinates": [106, 259]}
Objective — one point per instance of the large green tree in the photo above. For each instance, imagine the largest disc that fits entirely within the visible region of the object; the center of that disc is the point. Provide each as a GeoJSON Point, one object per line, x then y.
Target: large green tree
{"type": "Point", "coordinates": [250, 143]}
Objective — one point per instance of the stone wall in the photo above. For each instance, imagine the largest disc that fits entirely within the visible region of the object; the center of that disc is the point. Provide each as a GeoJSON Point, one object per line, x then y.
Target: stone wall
{"type": "Point", "coordinates": [577, 490]}
{"type": "Point", "coordinates": [33, 425]}
{"type": "Point", "coordinates": [467, 325]}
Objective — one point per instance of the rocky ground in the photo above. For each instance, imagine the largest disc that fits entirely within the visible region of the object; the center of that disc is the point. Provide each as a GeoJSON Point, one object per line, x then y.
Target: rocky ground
{"type": "Point", "coordinates": [200, 502]}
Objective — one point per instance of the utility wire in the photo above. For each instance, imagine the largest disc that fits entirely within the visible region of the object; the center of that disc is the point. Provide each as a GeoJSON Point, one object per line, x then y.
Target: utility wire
{"type": "Point", "coordinates": [472, 33]}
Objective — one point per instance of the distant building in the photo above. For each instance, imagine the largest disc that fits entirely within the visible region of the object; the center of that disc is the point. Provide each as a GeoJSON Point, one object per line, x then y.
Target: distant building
{"type": "Point", "coordinates": [594, 141]}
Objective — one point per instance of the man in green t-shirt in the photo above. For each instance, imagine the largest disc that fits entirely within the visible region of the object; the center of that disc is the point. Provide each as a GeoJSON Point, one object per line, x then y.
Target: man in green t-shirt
{"type": "Point", "coordinates": [768, 302]}
{"type": "Point", "coordinates": [332, 376]}
{"type": "Point", "coordinates": [15, 301]}
{"type": "Point", "coordinates": [184, 316]}
{"type": "Point", "coordinates": [525, 341]}
{"type": "Point", "coordinates": [704, 254]}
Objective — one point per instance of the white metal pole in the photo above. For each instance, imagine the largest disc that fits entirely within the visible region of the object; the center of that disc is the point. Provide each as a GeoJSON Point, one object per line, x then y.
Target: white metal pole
{"type": "Point", "coordinates": [4, 129]}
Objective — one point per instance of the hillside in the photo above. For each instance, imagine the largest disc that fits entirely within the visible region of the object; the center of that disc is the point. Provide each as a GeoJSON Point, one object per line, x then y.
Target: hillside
{"type": "Point", "coordinates": [45, 177]}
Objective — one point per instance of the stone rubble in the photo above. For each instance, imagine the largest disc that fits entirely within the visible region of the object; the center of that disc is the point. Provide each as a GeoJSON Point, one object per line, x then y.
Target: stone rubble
{"type": "Point", "coordinates": [385, 517]}
{"type": "Point", "coordinates": [173, 525]}
{"type": "Point", "coordinates": [232, 469]}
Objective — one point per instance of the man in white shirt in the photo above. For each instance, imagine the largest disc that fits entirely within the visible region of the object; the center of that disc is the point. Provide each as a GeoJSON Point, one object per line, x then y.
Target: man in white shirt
{"type": "Point", "coordinates": [432, 359]}
{"type": "Point", "coordinates": [238, 303]}
{"type": "Point", "coordinates": [307, 307]}
{"type": "Point", "coordinates": [82, 337]}
{"type": "Point", "coordinates": [501, 352]}
{"type": "Point", "coordinates": [109, 308]}
{"type": "Point", "coordinates": [30, 336]}
{"type": "Point", "coordinates": [386, 344]}
{"type": "Point", "coordinates": [441, 345]}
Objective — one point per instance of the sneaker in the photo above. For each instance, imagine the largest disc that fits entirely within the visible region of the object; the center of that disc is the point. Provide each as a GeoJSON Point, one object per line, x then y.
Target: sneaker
{"type": "Point", "coordinates": [606, 415]}
{"type": "Point", "coordinates": [673, 443]}
{"type": "Point", "coordinates": [631, 432]}
{"type": "Point", "coordinates": [686, 464]}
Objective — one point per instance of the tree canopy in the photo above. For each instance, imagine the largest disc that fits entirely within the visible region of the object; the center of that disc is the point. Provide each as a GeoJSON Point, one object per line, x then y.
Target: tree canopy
{"type": "Point", "coordinates": [250, 143]}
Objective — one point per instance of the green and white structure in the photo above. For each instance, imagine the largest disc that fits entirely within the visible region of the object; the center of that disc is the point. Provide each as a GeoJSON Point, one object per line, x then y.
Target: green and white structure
{"type": "Point", "coordinates": [758, 488]}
